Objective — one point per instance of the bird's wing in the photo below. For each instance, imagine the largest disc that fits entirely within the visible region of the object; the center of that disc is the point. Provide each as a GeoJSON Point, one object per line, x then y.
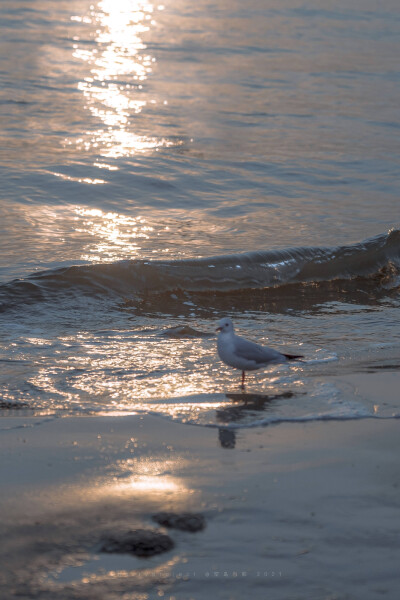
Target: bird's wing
{"type": "Point", "coordinates": [251, 351]}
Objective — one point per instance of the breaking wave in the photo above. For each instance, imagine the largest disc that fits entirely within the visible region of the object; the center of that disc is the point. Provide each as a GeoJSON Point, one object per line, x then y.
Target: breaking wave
{"type": "Point", "coordinates": [218, 274]}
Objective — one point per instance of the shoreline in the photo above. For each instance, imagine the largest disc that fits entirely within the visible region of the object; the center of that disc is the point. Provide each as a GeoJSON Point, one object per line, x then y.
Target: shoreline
{"type": "Point", "coordinates": [306, 510]}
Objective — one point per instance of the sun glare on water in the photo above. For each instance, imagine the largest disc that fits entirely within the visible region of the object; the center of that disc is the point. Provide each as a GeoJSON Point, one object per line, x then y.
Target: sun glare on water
{"type": "Point", "coordinates": [112, 235]}
{"type": "Point", "coordinates": [118, 67]}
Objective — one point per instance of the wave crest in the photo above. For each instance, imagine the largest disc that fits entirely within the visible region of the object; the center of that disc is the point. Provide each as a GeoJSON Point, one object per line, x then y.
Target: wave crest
{"type": "Point", "coordinates": [233, 273]}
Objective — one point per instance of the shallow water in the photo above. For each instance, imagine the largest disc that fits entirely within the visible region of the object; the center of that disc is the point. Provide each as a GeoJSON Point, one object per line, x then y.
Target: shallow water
{"type": "Point", "coordinates": [138, 141]}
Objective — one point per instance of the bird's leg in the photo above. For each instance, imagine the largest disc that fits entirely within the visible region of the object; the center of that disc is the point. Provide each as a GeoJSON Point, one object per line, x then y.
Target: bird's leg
{"type": "Point", "coordinates": [243, 376]}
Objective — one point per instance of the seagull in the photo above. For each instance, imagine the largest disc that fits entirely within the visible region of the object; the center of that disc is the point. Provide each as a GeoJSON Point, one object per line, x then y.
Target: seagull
{"type": "Point", "coordinates": [241, 354]}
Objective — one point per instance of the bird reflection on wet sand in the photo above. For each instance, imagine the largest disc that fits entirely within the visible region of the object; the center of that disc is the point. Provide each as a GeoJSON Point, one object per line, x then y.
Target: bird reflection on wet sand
{"type": "Point", "coordinates": [244, 403]}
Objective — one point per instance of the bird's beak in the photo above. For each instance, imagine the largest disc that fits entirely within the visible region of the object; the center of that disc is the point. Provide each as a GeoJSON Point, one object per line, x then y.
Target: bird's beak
{"type": "Point", "coordinates": [219, 329]}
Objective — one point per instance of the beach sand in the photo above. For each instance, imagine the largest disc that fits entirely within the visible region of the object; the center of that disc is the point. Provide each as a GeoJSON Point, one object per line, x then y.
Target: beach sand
{"type": "Point", "coordinates": [293, 511]}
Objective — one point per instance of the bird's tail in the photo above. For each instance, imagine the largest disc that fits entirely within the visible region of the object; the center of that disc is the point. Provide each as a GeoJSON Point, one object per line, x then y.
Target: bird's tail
{"type": "Point", "coordinates": [293, 356]}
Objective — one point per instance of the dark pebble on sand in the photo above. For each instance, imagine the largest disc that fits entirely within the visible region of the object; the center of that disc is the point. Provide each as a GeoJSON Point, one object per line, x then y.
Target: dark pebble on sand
{"type": "Point", "coordinates": [141, 542]}
{"type": "Point", "coordinates": [184, 521]}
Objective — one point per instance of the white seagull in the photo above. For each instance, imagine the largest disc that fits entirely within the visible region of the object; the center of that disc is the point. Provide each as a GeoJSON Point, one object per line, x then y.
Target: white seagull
{"type": "Point", "coordinates": [241, 354]}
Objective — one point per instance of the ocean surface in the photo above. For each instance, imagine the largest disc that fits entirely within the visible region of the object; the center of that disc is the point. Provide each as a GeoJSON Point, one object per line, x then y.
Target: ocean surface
{"type": "Point", "coordinates": [164, 165]}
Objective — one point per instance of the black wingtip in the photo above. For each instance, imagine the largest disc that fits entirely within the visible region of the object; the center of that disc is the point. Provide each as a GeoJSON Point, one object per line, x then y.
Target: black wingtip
{"type": "Point", "coordinates": [293, 356]}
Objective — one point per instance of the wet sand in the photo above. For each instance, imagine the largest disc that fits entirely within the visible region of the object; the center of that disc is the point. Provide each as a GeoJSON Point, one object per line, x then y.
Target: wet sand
{"type": "Point", "coordinates": [294, 511]}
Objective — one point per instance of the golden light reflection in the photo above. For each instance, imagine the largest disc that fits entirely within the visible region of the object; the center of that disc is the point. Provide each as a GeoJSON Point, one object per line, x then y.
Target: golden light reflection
{"type": "Point", "coordinates": [146, 484]}
{"type": "Point", "coordinates": [115, 236]}
{"type": "Point", "coordinates": [80, 179]}
{"type": "Point", "coordinates": [118, 67]}
{"type": "Point", "coordinates": [125, 372]}
{"type": "Point", "coordinates": [146, 476]}
{"type": "Point", "coordinates": [140, 372]}
{"type": "Point", "coordinates": [131, 370]}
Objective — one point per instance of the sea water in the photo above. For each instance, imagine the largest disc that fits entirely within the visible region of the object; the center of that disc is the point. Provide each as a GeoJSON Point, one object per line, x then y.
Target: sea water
{"type": "Point", "coordinates": [164, 165]}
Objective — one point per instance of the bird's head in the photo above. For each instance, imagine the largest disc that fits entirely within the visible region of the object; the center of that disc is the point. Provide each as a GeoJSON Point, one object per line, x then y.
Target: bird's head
{"type": "Point", "coordinates": [225, 325]}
